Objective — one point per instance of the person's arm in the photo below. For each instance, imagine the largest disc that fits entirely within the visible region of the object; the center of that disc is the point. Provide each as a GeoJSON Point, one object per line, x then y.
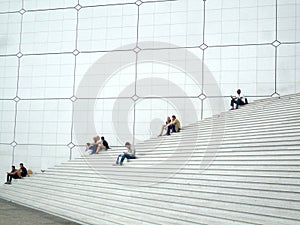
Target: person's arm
{"type": "Point", "coordinates": [169, 124]}
{"type": "Point", "coordinates": [131, 151]}
{"type": "Point", "coordinates": [14, 172]}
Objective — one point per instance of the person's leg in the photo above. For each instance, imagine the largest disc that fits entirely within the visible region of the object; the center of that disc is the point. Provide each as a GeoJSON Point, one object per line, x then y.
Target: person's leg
{"type": "Point", "coordinates": [16, 176]}
{"type": "Point", "coordinates": [173, 128]}
{"type": "Point", "coordinates": [94, 149]}
{"type": "Point", "coordinates": [239, 102]}
{"type": "Point", "coordinates": [169, 130]}
{"type": "Point", "coordinates": [8, 179]}
{"type": "Point", "coordinates": [176, 128]}
{"type": "Point", "coordinates": [232, 103]}
{"type": "Point", "coordinates": [97, 149]}
{"type": "Point", "coordinates": [117, 162]}
{"type": "Point", "coordinates": [127, 156]}
{"type": "Point", "coordinates": [23, 174]}
{"type": "Point", "coordinates": [122, 159]}
{"type": "Point", "coordinates": [162, 130]}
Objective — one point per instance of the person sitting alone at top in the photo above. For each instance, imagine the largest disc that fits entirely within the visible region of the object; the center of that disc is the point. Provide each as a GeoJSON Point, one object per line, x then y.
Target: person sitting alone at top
{"type": "Point", "coordinates": [103, 145]}
{"type": "Point", "coordinates": [164, 128]}
{"type": "Point", "coordinates": [174, 125]}
{"type": "Point", "coordinates": [239, 99]}
{"type": "Point", "coordinates": [129, 154]}
{"type": "Point", "coordinates": [16, 174]}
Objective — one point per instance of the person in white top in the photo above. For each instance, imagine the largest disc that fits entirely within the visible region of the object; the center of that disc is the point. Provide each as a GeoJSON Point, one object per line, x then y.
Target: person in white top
{"type": "Point", "coordinates": [239, 99]}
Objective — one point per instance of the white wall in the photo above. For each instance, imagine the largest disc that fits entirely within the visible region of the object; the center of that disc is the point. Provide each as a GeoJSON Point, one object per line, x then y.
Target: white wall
{"type": "Point", "coordinates": [119, 67]}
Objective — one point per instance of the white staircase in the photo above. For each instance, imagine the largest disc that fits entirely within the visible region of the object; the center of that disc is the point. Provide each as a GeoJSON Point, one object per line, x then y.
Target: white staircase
{"type": "Point", "coordinates": [240, 167]}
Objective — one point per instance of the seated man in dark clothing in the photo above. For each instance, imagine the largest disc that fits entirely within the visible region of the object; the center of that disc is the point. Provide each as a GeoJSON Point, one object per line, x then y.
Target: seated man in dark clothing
{"type": "Point", "coordinates": [22, 172]}
{"type": "Point", "coordinates": [12, 174]}
{"type": "Point", "coordinates": [105, 143]}
{"type": "Point", "coordinates": [239, 99]}
{"type": "Point", "coordinates": [16, 174]}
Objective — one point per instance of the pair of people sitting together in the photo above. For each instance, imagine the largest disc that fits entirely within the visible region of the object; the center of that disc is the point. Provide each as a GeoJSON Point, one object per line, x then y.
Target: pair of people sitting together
{"type": "Point", "coordinates": [171, 125]}
{"type": "Point", "coordinates": [238, 100]}
{"type": "Point", "coordinates": [16, 174]}
{"type": "Point", "coordinates": [98, 145]}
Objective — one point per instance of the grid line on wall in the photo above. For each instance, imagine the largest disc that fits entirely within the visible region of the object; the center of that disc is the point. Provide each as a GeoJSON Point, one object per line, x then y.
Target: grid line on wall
{"type": "Point", "coordinates": [202, 47]}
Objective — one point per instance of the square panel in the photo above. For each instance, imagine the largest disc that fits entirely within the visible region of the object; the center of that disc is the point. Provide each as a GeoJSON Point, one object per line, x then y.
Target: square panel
{"type": "Point", "coordinates": [239, 22]}
{"type": "Point", "coordinates": [169, 23]}
{"type": "Point", "coordinates": [107, 27]}
{"type": "Point", "coordinates": [48, 4]}
{"type": "Point", "coordinates": [10, 6]}
{"type": "Point", "coordinates": [47, 76]}
{"type": "Point", "coordinates": [105, 75]}
{"type": "Point", "coordinates": [8, 77]}
{"type": "Point", "coordinates": [10, 28]}
{"type": "Point", "coordinates": [169, 73]}
{"type": "Point", "coordinates": [214, 106]}
{"type": "Point", "coordinates": [44, 122]}
{"type": "Point", "coordinates": [104, 2]}
{"type": "Point", "coordinates": [246, 67]}
{"type": "Point", "coordinates": [7, 121]}
{"type": "Point", "coordinates": [37, 158]}
{"type": "Point", "coordinates": [288, 69]}
{"type": "Point", "coordinates": [49, 31]}
{"type": "Point", "coordinates": [111, 118]}
{"type": "Point", "coordinates": [6, 153]}
{"type": "Point", "coordinates": [289, 21]}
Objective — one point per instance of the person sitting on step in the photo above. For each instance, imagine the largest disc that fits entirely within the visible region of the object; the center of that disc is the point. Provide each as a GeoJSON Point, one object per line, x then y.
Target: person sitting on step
{"type": "Point", "coordinates": [163, 128]}
{"type": "Point", "coordinates": [16, 174]}
{"type": "Point", "coordinates": [103, 145]}
{"type": "Point", "coordinates": [174, 125]}
{"type": "Point", "coordinates": [129, 154]}
{"type": "Point", "coordinates": [93, 146]}
{"type": "Point", "coordinates": [239, 99]}
{"type": "Point", "coordinates": [12, 174]}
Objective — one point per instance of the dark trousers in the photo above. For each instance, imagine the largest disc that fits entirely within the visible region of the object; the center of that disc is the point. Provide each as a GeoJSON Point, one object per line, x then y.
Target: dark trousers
{"type": "Point", "coordinates": [123, 156]}
{"type": "Point", "coordinates": [93, 148]}
{"type": "Point", "coordinates": [237, 102]}
{"type": "Point", "coordinates": [10, 177]}
{"type": "Point", "coordinates": [171, 127]}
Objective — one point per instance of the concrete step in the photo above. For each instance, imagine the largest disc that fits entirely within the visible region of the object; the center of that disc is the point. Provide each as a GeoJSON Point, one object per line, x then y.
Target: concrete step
{"type": "Point", "coordinates": [187, 204]}
{"type": "Point", "coordinates": [239, 167]}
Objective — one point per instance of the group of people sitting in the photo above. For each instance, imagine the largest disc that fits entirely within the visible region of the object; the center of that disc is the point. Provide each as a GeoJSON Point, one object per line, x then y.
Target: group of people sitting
{"type": "Point", "coordinates": [171, 126]}
{"type": "Point", "coordinates": [16, 174]}
{"type": "Point", "coordinates": [97, 145]}
{"type": "Point", "coordinates": [100, 144]}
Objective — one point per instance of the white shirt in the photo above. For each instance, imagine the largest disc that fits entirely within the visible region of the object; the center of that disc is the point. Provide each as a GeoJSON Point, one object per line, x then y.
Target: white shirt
{"type": "Point", "coordinates": [240, 96]}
